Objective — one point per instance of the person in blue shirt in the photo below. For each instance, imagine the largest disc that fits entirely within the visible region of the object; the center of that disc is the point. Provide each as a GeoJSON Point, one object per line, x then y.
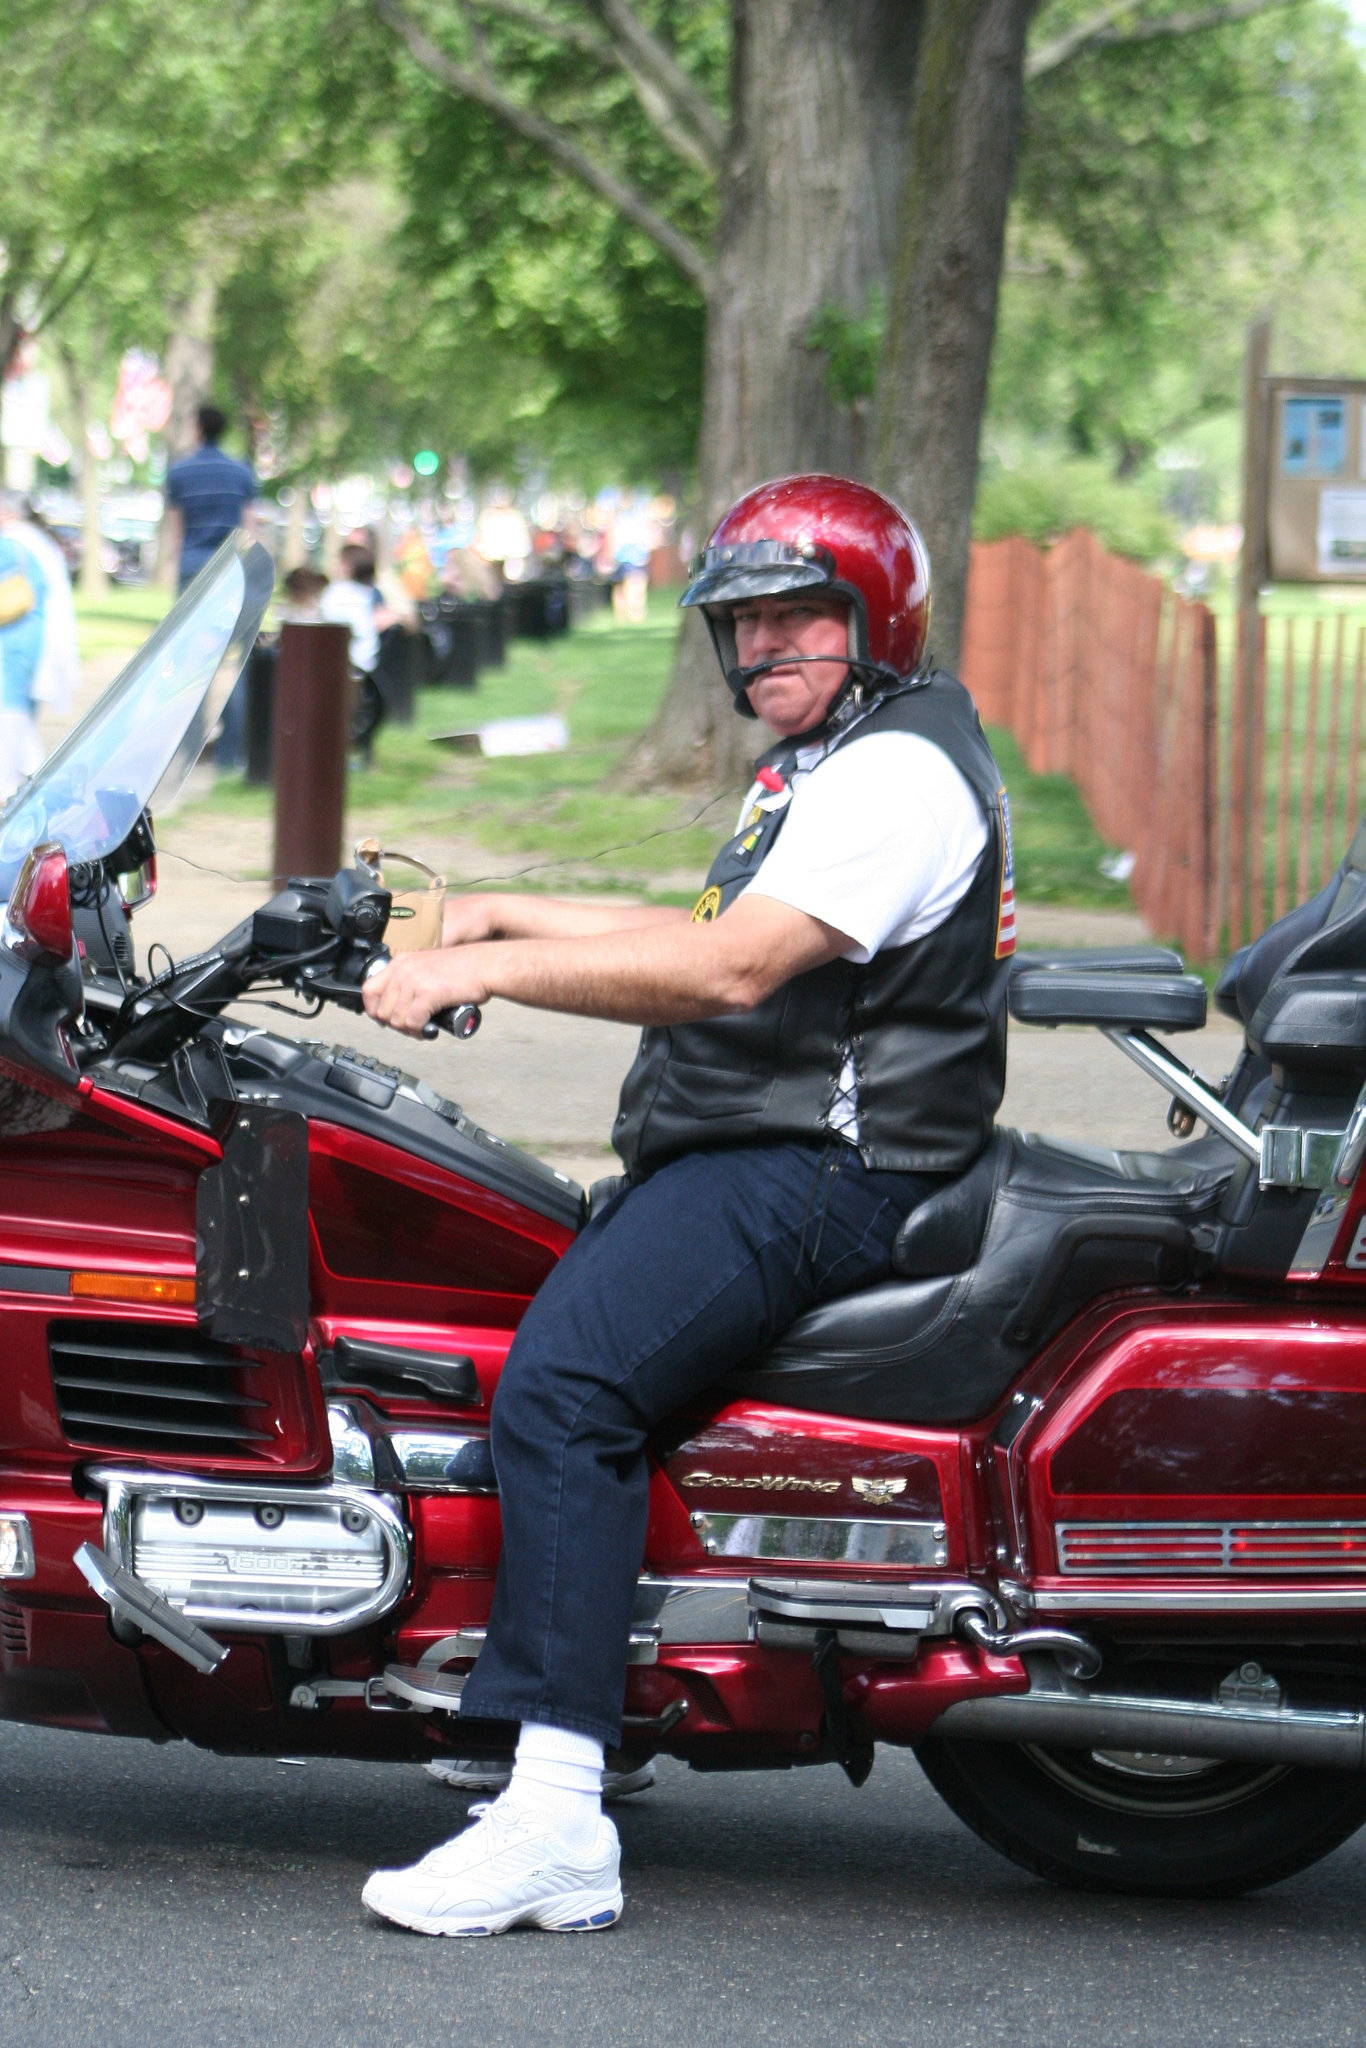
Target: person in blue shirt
{"type": "Point", "coordinates": [21, 648]}
{"type": "Point", "coordinates": [207, 495]}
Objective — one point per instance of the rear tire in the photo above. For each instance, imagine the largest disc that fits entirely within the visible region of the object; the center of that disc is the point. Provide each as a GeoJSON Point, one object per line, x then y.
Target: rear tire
{"type": "Point", "coordinates": [1120, 1821]}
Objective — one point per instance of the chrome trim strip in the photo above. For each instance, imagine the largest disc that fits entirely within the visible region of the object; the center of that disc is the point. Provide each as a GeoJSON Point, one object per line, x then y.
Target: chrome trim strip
{"type": "Point", "coordinates": [426, 1456]}
{"type": "Point", "coordinates": [693, 1610]}
{"type": "Point", "coordinates": [1188, 1599]}
{"type": "Point", "coordinates": [123, 1487]}
{"type": "Point", "coordinates": [810, 1539]}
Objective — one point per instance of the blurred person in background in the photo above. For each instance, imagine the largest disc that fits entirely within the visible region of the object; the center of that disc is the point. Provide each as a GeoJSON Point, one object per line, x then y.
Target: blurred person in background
{"type": "Point", "coordinates": [208, 495]}
{"type": "Point", "coordinates": [59, 665]}
{"type": "Point", "coordinates": [632, 540]}
{"type": "Point", "coordinates": [23, 607]}
{"type": "Point", "coordinates": [353, 600]}
{"type": "Point", "coordinates": [301, 604]}
{"type": "Point", "coordinates": [466, 575]}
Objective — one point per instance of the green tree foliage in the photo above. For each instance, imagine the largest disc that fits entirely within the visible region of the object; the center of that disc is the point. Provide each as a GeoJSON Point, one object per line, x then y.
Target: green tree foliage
{"type": "Point", "coordinates": [1166, 189]}
{"type": "Point", "coordinates": [141, 138]}
{"type": "Point", "coordinates": [340, 361]}
{"type": "Point", "coordinates": [520, 258]}
{"type": "Point", "coordinates": [1045, 499]}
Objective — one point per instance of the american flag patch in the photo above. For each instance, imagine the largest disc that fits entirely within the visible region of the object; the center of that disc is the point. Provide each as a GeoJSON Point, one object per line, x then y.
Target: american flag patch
{"type": "Point", "coordinates": [1005, 922]}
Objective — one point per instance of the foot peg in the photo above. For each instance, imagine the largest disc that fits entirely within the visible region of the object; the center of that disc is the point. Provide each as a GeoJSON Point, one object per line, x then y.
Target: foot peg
{"type": "Point", "coordinates": [429, 1691]}
{"type": "Point", "coordinates": [130, 1601]}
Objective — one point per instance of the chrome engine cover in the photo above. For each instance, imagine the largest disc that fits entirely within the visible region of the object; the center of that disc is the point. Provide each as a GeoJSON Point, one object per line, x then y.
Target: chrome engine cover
{"type": "Point", "coordinates": [296, 1560]}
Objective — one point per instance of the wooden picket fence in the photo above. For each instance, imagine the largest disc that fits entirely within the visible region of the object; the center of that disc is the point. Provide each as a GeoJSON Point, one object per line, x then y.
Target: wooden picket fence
{"type": "Point", "coordinates": [1236, 786]}
{"type": "Point", "coordinates": [1106, 675]}
{"type": "Point", "coordinates": [1293, 797]}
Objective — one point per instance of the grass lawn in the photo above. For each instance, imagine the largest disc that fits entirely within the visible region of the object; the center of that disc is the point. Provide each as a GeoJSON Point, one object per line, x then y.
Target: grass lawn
{"type": "Point", "coordinates": [562, 811]}
{"type": "Point", "coordinates": [120, 621]}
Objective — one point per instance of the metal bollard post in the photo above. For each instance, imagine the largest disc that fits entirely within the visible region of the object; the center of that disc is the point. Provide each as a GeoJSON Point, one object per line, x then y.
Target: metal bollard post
{"type": "Point", "coordinates": [260, 721]}
{"type": "Point", "coordinates": [312, 717]}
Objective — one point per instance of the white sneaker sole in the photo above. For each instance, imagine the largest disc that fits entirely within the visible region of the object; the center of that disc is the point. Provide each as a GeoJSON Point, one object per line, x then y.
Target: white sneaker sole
{"type": "Point", "coordinates": [576, 1913]}
{"type": "Point", "coordinates": [616, 1784]}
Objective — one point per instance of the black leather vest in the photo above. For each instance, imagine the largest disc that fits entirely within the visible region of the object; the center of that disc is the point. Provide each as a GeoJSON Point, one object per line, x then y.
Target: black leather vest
{"type": "Point", "coordinates": [925, 1022]}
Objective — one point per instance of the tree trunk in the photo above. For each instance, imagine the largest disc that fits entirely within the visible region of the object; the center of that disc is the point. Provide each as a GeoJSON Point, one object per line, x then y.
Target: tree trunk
{"type": "Point", "coordinates": [93, 581]}
{"type": "Point", "coordinates": [295, 553]}
{"type": "Point", "coordinates": [189, 364]}
{"type": "Point", "coordinates": [810, 196]}
{"type": "Point", "coordinates": [965, 130]}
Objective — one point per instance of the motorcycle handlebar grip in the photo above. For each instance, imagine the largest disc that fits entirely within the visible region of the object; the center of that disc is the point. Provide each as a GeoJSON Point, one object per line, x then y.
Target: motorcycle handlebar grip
{"type": "Point", "coordinates": [462, 1021]}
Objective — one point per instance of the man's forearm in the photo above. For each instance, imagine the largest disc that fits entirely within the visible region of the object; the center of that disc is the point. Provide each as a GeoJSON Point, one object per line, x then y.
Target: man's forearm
{"type": "Point", "coordinates": [507, 916]}
{"type": "Point", "coordinates": [671, 973]}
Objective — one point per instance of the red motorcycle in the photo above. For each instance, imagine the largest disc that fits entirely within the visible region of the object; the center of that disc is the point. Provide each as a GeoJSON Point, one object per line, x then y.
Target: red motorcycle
{"type": "Point", "coordinates": [1075, 1505]}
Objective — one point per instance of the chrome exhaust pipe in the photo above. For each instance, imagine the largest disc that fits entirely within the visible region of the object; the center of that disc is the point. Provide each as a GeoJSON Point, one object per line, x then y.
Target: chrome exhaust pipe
{"type": "Point", "coordinates": [1064, 1716]}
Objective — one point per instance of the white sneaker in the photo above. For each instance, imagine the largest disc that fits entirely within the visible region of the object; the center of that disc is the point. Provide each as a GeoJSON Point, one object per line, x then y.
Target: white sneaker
{"type": "Point", "coordinates": [471, 1774]}
{"type": "Point", "coordinates": [505, 1871]}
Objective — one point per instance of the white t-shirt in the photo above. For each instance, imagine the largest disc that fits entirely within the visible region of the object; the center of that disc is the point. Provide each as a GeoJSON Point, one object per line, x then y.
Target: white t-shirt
{"type": "Point", "coordinates": [345, 603]}
{"type": "Point", "coordinates": [882, 843]}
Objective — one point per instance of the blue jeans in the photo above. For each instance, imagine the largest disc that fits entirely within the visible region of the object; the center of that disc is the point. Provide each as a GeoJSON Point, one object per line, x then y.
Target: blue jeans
{"type": "Point", "coordinates": [677, 1282]}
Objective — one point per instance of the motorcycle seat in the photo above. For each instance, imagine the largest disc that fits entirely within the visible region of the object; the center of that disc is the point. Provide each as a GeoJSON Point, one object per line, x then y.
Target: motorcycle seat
{"type": "Point", "coordinates": [989, 1268]}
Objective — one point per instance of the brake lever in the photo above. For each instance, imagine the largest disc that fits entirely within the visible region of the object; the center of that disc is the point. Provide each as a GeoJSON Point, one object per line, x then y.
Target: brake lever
{"type": "Point", "coordinates": [462, 1021]}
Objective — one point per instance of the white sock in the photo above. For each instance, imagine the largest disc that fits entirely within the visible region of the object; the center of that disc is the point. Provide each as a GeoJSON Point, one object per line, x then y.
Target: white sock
{"type": "Point", "coordinates": [557, 1779]}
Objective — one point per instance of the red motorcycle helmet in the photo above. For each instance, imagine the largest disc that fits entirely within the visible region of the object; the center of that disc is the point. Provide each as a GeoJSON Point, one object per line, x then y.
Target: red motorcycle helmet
{"type": "Point", "coordinates": [819, 533]}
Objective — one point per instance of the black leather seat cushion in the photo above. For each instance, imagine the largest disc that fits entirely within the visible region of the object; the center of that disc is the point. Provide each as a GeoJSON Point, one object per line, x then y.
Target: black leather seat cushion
{"type": "Point", "coordinates": [1001, 1259]}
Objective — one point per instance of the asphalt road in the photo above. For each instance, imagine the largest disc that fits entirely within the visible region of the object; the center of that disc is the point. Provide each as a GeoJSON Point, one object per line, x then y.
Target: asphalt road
{"type": "Point", "coordinates": [162, 1898]}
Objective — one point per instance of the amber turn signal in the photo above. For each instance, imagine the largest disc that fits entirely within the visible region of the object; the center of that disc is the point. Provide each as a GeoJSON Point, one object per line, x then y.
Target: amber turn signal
{"type": "Point", "coordinates": [149, 1287]}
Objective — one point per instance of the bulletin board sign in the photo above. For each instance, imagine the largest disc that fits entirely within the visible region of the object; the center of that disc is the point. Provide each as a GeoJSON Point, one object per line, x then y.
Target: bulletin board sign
{"type": "Point", "coordinates": [1316, 496]}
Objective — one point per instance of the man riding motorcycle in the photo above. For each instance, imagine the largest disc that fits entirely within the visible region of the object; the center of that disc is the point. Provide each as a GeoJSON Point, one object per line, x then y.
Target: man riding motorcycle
{"type": "Point", "coordinates": [824, 1044]}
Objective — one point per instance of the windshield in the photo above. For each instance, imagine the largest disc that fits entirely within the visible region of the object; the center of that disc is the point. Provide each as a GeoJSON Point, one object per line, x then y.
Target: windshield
{"type": "Point", "coordinates": [136, 746]}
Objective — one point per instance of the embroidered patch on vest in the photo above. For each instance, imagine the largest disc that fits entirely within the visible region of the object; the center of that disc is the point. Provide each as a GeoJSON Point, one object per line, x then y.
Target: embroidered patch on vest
{"type": "Point", "coordinates": [706, 906]}
{"type": "Point", "coordinates": [1005, 920]}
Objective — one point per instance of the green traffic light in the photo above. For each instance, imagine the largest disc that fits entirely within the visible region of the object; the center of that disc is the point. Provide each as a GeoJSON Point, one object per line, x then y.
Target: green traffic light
{"type": "Point", "coordinates": [426, 462]}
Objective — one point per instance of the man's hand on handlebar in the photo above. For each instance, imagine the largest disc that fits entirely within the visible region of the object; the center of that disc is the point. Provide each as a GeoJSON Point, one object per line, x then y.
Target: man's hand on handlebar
{"type": "Point", "coordinates": [410, 989]}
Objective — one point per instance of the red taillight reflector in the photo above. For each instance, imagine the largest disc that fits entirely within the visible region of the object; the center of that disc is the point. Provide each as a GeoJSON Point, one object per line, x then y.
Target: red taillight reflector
{"type": "Point", "coordinates": [143, 1287]}
{"type": "Point", "coordinates": [1177, 1549]}
{"type": "Point", "coordinates": [39, 912]}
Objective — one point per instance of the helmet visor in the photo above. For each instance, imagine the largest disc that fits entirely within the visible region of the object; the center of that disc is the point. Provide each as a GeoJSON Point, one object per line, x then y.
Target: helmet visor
{"type": "Point", "coordinates": [757, 568]}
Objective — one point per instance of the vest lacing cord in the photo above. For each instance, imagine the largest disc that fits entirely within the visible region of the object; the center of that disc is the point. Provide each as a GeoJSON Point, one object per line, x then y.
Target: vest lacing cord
{"type": "Point", "coordinates": [841, 1097]}
{"type": "Point", "coordinates": [829, 1165]}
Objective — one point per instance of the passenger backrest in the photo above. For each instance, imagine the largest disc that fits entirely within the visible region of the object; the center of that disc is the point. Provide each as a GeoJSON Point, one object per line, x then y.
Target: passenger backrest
{"type": "Point", "coordinates": [1336, 917]}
